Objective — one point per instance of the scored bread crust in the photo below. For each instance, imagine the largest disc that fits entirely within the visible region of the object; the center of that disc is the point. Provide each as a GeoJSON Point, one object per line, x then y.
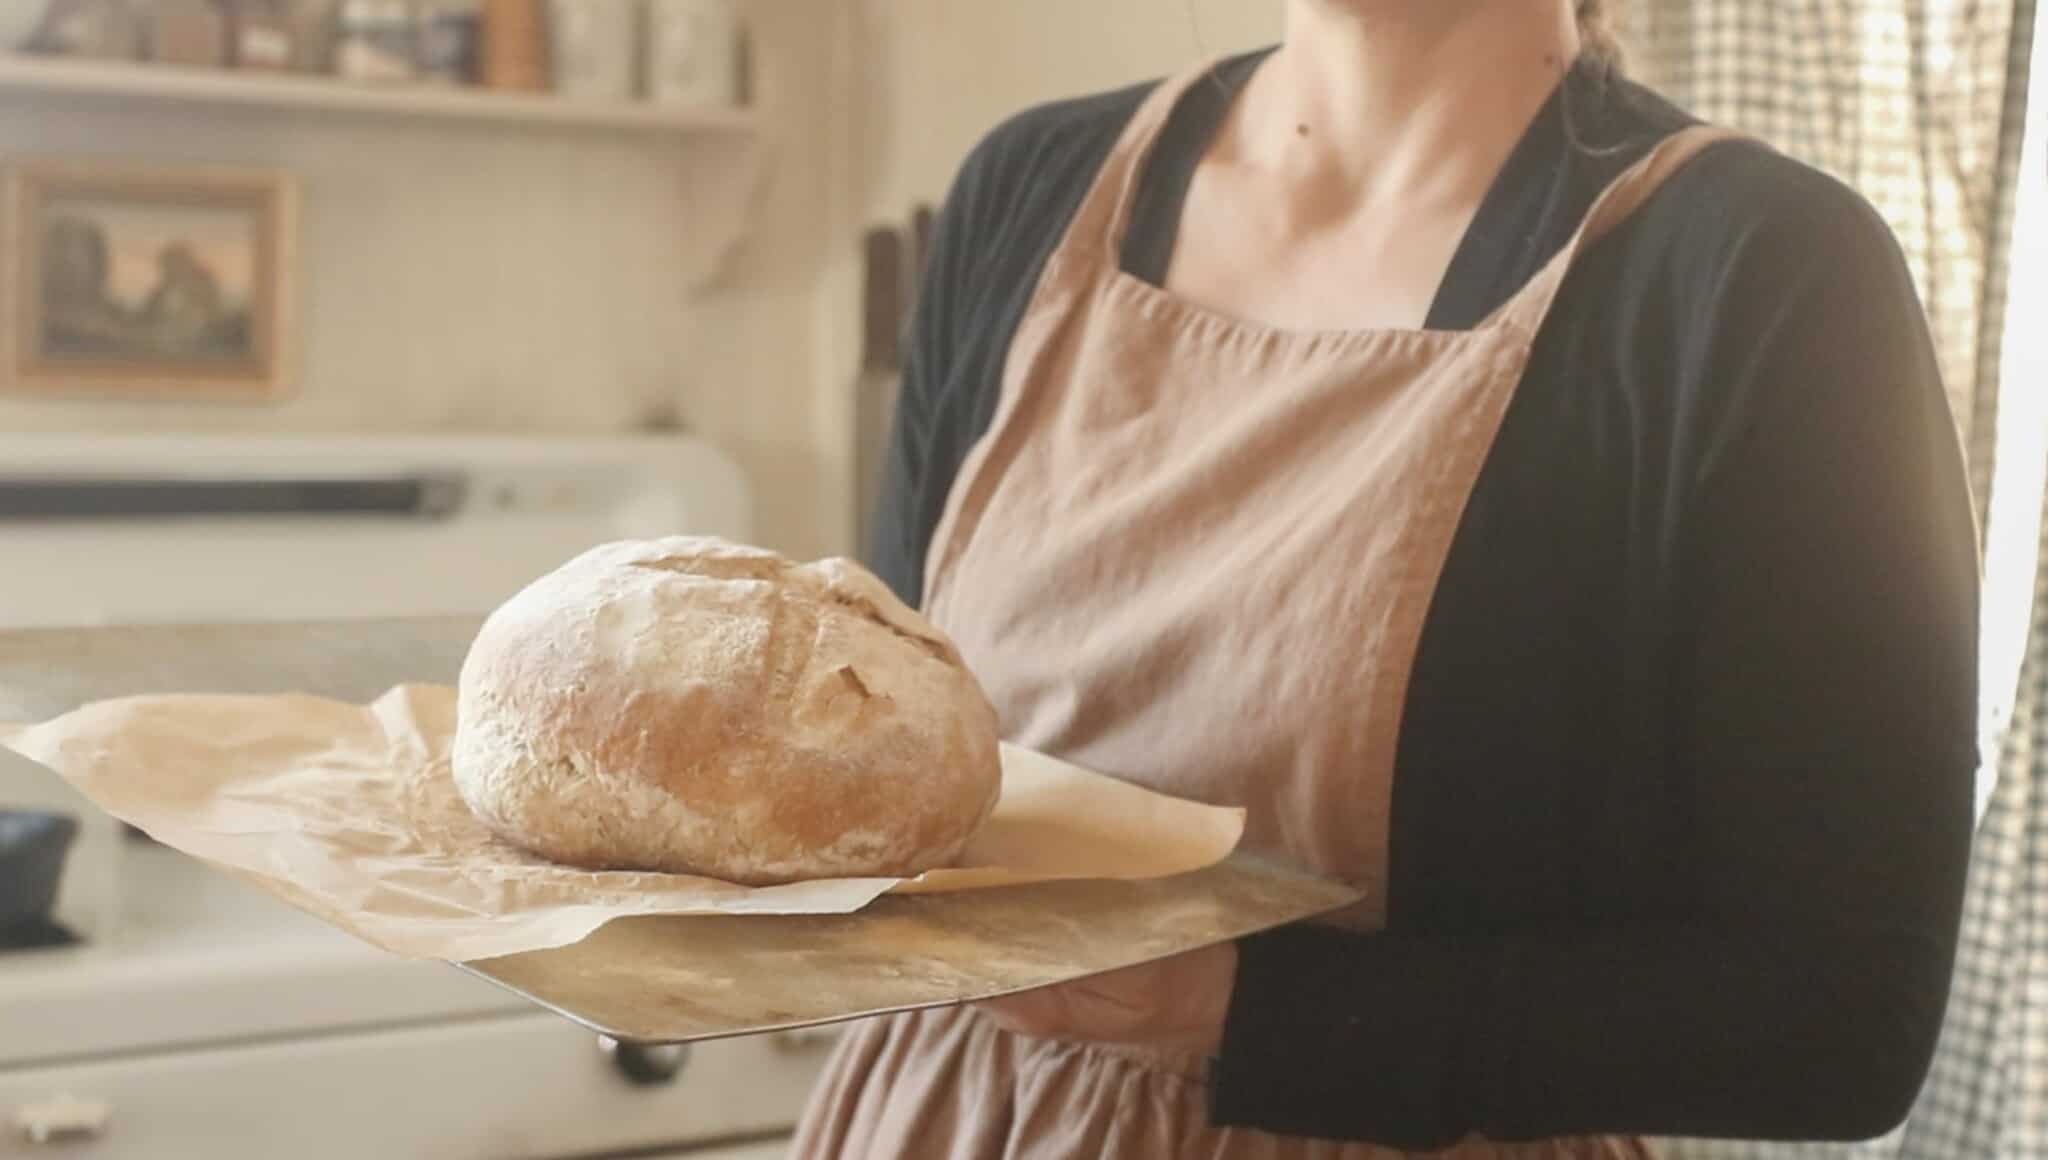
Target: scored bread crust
{"type": "Point", "coordinates": [696, 706]}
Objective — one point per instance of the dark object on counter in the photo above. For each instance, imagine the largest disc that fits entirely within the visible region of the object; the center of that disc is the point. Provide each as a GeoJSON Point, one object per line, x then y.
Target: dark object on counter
{"type": "Point", "coordinates": [37, 935]}
{"type": "Point", "coordinates": [32, 849]}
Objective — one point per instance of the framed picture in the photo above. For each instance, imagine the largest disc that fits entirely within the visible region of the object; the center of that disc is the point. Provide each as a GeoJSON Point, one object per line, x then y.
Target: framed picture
{"type": "Point", "coordinates": [145, 280]}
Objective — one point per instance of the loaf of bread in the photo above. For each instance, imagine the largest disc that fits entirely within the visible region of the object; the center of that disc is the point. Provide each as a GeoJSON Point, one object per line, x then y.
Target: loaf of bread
{"type": "Point", "coordinates": [696, 706]}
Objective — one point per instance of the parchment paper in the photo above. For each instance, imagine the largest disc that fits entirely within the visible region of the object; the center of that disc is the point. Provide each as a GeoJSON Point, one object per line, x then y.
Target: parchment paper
{"type": "Point", "coordinates": [350, 812]}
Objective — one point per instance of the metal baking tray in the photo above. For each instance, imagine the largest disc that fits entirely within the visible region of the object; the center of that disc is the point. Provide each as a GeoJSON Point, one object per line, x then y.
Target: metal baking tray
{"type": "Point", "coordinates": [674, 980]}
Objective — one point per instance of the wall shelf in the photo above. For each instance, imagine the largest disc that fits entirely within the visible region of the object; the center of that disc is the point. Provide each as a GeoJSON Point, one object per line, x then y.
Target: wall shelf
{"type": "Point", "coordinates": [325, 96]}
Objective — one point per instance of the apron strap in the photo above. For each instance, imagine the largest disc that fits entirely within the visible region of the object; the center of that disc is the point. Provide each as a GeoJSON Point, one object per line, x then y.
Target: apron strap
{"type": "Point", "coordinates": [1622, 198]}
{"type": "Point", "coordinates": [1099, 226]}
{"type": "Point", "coordinates": [1102, 221]}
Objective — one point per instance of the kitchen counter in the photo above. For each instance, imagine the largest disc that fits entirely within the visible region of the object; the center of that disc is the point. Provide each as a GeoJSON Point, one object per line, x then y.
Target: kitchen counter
{"type": "Point", "coordinates": [45, 672]}
{"type": "Point", "coordinates": [196, 956]}
{"type": "Point", "coordinates": [200, 960]}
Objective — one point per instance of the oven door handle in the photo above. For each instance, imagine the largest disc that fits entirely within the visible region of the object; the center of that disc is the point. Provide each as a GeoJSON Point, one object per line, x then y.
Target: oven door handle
{"type": "Point", "coordinates": [419, 496]}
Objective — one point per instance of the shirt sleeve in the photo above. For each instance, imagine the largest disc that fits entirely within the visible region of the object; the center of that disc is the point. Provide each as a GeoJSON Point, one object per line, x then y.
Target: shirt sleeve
{"type": "Point", "coordinates": [1823, 751]}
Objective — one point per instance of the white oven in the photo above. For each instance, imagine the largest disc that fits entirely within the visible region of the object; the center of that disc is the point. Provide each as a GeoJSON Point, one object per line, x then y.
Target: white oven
{"type": "Point", "coordinates": [201, 1019]}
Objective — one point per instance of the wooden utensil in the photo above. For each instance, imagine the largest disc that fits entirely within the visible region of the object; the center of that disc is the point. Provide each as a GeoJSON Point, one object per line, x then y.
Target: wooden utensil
{"type": "Point", "coordinates": [922, 222]}
{"type": "Point", "coordinates": [874, 393]}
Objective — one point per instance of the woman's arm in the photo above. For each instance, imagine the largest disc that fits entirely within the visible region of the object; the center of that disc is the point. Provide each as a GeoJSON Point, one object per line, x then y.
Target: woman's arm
{"type": "Point", "coordinates": [1825, 740]}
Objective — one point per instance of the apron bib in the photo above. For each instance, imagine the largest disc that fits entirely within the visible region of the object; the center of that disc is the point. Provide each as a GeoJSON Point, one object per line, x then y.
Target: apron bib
{"type": "Point", "coordinates": [1196, 552]}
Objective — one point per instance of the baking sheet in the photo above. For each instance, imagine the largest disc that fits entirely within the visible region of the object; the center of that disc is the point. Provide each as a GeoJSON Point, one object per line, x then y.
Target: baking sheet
{"type": "Point", "coordinates": [350, 812]}
{"type": "Point", "coordinates": [671, 979]}
{"type": "Point", "coordinates": [674, 980]}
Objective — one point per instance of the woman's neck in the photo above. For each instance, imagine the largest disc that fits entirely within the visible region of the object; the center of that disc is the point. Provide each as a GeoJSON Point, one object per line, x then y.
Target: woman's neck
{"type": "Point", "coordinates": [1393, 102]}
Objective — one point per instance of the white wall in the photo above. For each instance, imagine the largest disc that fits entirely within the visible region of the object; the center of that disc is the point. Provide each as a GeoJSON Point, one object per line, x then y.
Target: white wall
{"type": "Point", "coordinates": [940, 73]}
{"type": "Point", "coordinates": [483, 278]}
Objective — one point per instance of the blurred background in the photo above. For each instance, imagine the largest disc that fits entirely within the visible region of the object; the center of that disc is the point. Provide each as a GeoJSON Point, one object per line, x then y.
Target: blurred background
{"type": "Point", "coordinates": [375, 309]}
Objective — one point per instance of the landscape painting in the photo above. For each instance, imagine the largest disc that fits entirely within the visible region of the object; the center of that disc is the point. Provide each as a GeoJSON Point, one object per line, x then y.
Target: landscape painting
{"type": "Point", "coordinates": [158, 281]}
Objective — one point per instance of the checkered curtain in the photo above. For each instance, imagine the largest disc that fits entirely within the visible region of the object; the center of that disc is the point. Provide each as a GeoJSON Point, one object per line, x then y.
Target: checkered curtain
{"type": "Point", "coordinates": [1916, 103]}
{"type": "Point", "coordinates": [1920, 105]}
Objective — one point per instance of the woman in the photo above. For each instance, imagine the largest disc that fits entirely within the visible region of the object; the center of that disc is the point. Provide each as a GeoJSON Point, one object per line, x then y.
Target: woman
{"type": "Point", "coordinates": [1536, 509]}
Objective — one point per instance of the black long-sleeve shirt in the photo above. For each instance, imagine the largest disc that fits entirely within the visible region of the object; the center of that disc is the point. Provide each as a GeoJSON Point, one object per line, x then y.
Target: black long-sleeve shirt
{"type": "Point", "coordinates": [1682, 798]}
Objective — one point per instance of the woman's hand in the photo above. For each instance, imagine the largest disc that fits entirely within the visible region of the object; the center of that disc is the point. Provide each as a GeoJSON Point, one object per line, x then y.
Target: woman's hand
{"type": "Point", "coordinates": [1175, 1003]}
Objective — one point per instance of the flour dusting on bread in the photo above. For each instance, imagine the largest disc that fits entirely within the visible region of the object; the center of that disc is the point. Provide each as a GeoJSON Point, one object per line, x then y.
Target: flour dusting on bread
{"type": "Point", "coordinates": [696, 706]}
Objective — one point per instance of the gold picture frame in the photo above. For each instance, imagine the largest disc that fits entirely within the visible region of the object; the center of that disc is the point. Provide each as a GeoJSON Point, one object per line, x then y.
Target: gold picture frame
{"type": "Point", "coordinates": [125, 280]}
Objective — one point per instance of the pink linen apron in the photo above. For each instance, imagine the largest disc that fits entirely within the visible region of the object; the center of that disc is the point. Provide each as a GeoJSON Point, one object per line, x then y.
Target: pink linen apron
{"type": "Point", "coordinates": [1196, 553]}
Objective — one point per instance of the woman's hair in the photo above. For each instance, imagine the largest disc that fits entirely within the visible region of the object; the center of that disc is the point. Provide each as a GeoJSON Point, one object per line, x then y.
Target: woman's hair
{"type": "Point", "coordinates": [1597, 20]}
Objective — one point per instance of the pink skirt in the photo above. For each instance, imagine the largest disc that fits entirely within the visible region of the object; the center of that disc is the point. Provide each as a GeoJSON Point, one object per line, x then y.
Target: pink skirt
{"type": "Point", "coordinates": [949, 1085]}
